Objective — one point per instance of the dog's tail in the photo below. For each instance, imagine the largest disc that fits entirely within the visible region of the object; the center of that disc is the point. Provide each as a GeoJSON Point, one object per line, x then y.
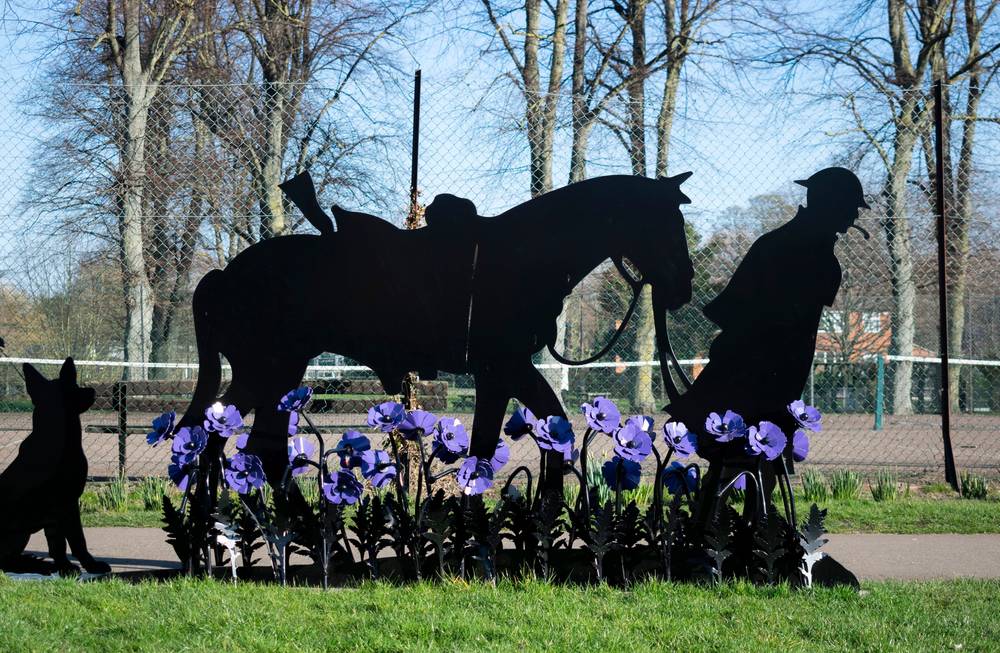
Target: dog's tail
{"type": "Point", "coordinates": [206, 296]}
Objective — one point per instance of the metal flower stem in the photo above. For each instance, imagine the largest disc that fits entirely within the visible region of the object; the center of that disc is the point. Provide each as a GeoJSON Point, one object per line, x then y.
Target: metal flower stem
{"type": "Point", "coordinates": [420, 477]}
{"type": "Point", "coordinates": [513, 474]}
{"type": "Point", "coordinates": [790, 500]}
{"type": "Point", "coordinates": [584, 490]}
{"type": "Point", "coordinates": [657, 487]}
{"type": "Point", "coordinates": [619, 473]}
{"type": "Point", "coordinates": [323, 508]}
{"type": "Point", "coordinates": [192, 480]}
{"type": "Point", "coordinates": [399, 486]}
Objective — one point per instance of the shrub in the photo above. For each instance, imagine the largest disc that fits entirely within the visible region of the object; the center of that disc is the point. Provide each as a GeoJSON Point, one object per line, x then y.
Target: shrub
{"type": "Point", "coordinates": [89, 501]}
{"type": "Point", "coordinates": [814, 486]}
{"type": "Point", "coordinates": [150, 491]}
{"type": "Point", "coordinates": [309, 489]}
{"type": "Point", "coordinates": [845, 484]}
{"type": "Point", "coordinates": [113, 497]}
{"type": "Point", "coordinates": [974, 487]}
{"type": "Point", "coordinates": [885, 486]}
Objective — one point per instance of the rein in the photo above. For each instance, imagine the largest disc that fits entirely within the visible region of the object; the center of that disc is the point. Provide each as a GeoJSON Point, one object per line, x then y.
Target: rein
{"type": "Point", "coordinates": [636, 286]}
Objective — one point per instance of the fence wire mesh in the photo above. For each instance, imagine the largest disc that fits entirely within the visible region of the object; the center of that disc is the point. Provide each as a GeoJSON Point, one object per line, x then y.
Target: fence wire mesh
{"type": "Point", "coordinates": [113, 214]}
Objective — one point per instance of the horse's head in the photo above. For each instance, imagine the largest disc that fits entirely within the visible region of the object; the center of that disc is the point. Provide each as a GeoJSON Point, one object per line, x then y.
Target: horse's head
{"type": "Point", "coordinates": [656, 244]}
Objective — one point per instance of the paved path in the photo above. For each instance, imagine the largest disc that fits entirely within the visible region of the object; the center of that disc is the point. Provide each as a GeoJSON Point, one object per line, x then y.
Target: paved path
{"type": "Point", "coordinates": [871, 557]}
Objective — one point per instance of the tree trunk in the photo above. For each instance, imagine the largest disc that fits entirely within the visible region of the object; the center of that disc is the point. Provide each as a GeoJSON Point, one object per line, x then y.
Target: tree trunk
{"type": "Point", "coordinates": [135, 282]}
{"type": "Point", "coordinates": [897, 234]}
{"type": "Point", "coordinates": [271, 208]}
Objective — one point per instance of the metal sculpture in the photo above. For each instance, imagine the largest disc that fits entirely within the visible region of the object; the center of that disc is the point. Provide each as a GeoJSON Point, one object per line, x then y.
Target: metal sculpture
{"type": "Point", "coordinates": [41, 488]}
{"type": "Point", "coordinates": [465, 294]}
{"type": "Point", "coordinates": [759, 363]}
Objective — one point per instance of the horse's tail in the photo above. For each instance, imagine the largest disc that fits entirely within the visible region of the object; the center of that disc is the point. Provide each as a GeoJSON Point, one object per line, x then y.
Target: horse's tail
{"type": "Point", "coordinates": [206, 295]}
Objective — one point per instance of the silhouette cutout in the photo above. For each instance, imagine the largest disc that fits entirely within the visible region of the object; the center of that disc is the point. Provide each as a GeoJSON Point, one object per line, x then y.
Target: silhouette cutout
{"type": "Point", "coordinates": [465, 294]}
{"type": "Point", "coordinates": [769, 315]}
{"type": "Point", "coordinates": [41, 488]}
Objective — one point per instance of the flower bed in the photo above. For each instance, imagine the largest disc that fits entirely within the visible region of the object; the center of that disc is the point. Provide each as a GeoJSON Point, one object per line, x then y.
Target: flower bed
{"type": "Point", "coordinates": [393, 478]}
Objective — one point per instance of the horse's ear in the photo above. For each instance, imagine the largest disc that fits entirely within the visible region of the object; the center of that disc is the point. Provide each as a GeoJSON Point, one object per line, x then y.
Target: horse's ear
{"type": "Point", "coordinates": [676, 181]}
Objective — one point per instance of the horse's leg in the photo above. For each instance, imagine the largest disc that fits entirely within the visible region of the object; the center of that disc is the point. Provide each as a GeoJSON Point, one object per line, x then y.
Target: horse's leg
{"type": "Point", "coordinates": [492, 395]}
{"type": "Point", "coordinates": [265, 387]}
{"type": "Point", "coordinates": [531, 389]}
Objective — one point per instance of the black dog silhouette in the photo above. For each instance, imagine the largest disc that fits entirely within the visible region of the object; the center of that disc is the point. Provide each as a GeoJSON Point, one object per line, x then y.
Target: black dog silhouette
{"type": "Point", "coordinates": [42, 487]}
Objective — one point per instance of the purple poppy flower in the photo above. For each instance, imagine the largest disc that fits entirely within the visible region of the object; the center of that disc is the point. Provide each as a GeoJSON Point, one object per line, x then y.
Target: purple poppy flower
{"type": "Point", "coordinates": [451, 439]}
{"type": "Point", "coordinates": [643, 423]}
{"type": "Point", "coordinates": [500, 456]}
{"type": "Point", "coordinates": [522, 422]}
{"type": "Point", "coordinates": [800, 446]}
{"type": "Point", "coordinates": [163, 428]}
{"type": "Point", "coordinates": [350, 448]}
{"type": "Point", "coordinates": [298, 449]}
{"type": "Point", "coordinates": [767, 439]}
{"type": "Point", "coordinates": [475, 476]}
{"type": "Point", "coordinates": [224, 420]}
{"type": "Point", "coordinates": [241, 440]}
{"type": "Point", "coordinates": [741, 482]}
{"type": "Point", "coordinates": [296, 399]}
{"type": "Point", "coordinates": [188, 444]}
{"type": "Point", "coordinates": [342, 488]}
{"type": "Point", "coordinates": [681, 441]}
{"type": "Point", "coordinates": [178, 473]}
{"type": "Point", "coordinates": [377, 467]}
{"type": "Point", "coordinates": [416, 424]}
{"type": "Point", "coordinates": [679, 478]}
{"type": "Point", "coordinates": [726, 428]}
{"type": "Point", "coordinates": [633, 443]}
{"type": "Point", "coordinates": [244, 472]}
{"type": "Point", "coordinates": [807, 416]}
{"type": "Point", "coordinates": [629, 470]}
{"type": "Point", "coordinates": [602, 415]}
{"type": "Point", "coordinates": [386, 416]}
{"type": "Point", "coordinates": [293, 423]}
{"type": "Point", "coordinates": [555, 434]}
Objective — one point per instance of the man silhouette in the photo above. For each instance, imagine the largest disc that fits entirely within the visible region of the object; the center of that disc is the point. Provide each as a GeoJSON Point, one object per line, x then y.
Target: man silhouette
{"type": "Point", "coordinates": [769, 314]}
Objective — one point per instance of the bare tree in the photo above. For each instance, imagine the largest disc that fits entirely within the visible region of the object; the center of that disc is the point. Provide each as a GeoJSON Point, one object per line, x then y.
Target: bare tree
{"type": "Point", "coordinates": [966, 65]}
{"type": "Point", "coordinates": [886, 66]}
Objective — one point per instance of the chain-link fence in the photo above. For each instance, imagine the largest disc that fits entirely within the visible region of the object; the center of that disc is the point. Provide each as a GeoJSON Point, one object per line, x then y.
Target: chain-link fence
{"type": "Point", "coordinates": [105, 240]}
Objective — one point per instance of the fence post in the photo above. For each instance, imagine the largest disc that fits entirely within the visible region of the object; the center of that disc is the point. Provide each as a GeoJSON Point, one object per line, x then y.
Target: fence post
{"type": "Point", "coordinates": [879, 390]}
{"type": "Point", "coordinates": [950, 475]}
{"type": "Point", "coordinates": [118, 403]}
{"type": "Point", "coordinates": [413, 217]}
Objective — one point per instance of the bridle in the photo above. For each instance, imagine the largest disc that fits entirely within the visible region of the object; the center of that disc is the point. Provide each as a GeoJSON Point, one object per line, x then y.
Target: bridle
{"type": "Point", "coordinates": [636, 284]}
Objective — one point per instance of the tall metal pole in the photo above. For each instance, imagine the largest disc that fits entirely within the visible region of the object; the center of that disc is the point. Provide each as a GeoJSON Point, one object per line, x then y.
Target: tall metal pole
{"type": "Point", "coordinates": [410, 399]}
{"type": "Point", "coordinates": [411, 219]}
{"type": "Point", "coordinates": [950, 475]}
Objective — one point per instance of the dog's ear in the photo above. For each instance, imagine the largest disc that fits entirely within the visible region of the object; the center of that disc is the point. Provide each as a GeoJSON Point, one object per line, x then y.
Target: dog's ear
{"type": "Point", "coordinates": [85, 398]}
{"type": "Point", "coordinates": [68, 373]}
{"type": "Point", "coordinates": [34, 382]}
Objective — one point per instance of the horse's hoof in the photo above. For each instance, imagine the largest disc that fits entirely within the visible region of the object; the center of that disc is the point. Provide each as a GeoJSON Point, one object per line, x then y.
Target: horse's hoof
{"type": "Point", "coordinates": [97, 567]}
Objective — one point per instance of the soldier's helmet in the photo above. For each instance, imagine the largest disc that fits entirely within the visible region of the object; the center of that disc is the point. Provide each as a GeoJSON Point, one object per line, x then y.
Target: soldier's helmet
{"type": "Point", "coordinates": [834, 187]}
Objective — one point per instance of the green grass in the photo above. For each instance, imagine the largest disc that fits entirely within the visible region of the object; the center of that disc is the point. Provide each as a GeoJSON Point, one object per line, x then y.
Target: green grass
{"type": "Point", "coordinates": [530, 616]}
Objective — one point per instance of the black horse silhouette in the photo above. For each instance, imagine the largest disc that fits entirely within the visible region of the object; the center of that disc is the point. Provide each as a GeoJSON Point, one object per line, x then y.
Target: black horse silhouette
{"type": "Point", "coordinates": [466, 294]}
